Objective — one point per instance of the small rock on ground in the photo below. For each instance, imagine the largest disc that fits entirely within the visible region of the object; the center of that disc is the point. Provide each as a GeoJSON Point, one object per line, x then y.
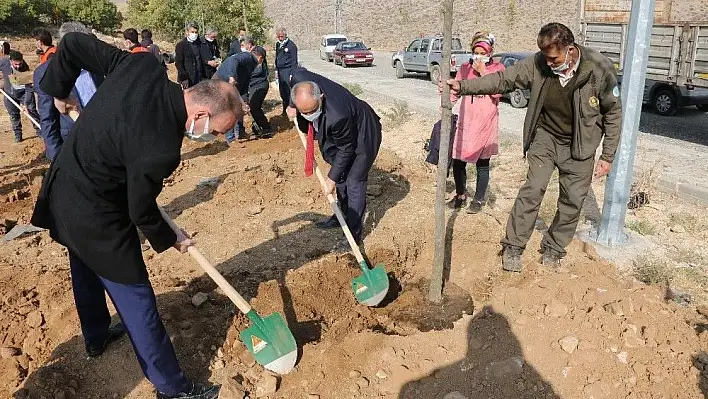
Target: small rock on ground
{"type": "Point", "coordinates": [455, 395]}
{"type": "Point", "coordinates": [268, 384]}
{"type": "Point", "coordinates": [354, 374]}
{"type": "Point", "coordinates": [8, 352]}
{"type": "Point", "coordinates": [199, 299]}
{"type": "Point", "coordinates": [569, 343]}
{"type": "Point", "coordinates": [230, 389]}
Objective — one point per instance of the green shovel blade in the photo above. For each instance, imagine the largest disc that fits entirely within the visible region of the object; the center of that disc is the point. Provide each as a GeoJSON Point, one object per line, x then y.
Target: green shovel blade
{"type": "Point", "coordinates": [371, 286]}
{"type": "Point", "coordinates": [270, 341]}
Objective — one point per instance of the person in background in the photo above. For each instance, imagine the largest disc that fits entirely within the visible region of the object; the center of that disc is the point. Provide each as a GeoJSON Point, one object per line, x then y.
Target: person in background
{"type": "Point", "coordinates": [131, 43]}
{"type": "Point", "coordinates": [237, 70]}
{"type": "Point", "coordinates": [146, 41]}
{"type": "Point", "coordinates": [477, 137]}
{"type": "Point", "coordinates": [574, 107]}
{"type": "Point", "coordinates": [236, 45]}
{"type": "Point", "coordinates": [285, 61]}
{"type": "Point", "coordinates": [55, 127]}
{"type": "Point", "coordinates": [17, 84]}
{"type": "Point", "coordinates": [45, 49]}
{"type": "Point", "coordinates": [213, 46]}
{"type": "Point", "coordinates": [257, 92]}
{"type": "Point", "coordinates": [192, 58]}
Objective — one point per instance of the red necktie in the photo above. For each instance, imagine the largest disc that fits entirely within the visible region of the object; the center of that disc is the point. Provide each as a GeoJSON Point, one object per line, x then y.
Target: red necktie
{"type": "Point", "coordinates": [310, 151]}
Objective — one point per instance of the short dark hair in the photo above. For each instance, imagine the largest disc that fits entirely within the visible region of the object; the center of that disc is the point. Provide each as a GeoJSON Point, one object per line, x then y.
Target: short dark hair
{"type": "Point", "coordinates": [132, 35]}
{"type": "Point", "coordinates": [210, 92]}
{"type": "Point", "coordinates": [6, 47]}
{"type": "Point", "coordinates": [249, 40]}
{"type": "Point", "coordinates": [555, 35]}
{"type": "Point", "coordinates": [43, 36]}
{"type": "Point", "coordinates": [16, 56]}
{"type": "Point", "coordinates": [192, 25]}
{"type": "Point", "coordinates": [146, 34]}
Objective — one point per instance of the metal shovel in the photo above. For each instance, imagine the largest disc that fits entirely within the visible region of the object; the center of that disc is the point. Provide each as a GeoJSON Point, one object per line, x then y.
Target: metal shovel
{"type": "Point", "coordinates": [269, 339]}
{"type": "Point", "coordinates": [371, 287]}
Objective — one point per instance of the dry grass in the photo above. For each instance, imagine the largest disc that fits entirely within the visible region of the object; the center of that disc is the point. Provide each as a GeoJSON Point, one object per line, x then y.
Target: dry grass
{"type": "Point", "coordinates": [641, 226]}
{"type": "Point", "coordinates": [688, 221]}
{"type": "Point", "coordinates": [398, 114]}
{"type": "Point", "coordinates": [354, 88]}
{"type": "Point", "coordinates": [653, 270]}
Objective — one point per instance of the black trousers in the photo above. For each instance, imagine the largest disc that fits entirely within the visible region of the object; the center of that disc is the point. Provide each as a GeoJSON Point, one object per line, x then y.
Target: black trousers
{"type": "Point", "coordinates": [351, 194]}
{"type": "Point", "coordinates": [256, 96]}
{"type": "Point", "coordinates": [284, 86]}
{"type": "Point", "coordinates": [459, 172]}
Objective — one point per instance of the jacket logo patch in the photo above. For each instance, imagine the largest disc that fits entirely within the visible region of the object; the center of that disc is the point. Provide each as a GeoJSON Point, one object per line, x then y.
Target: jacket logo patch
{"type": "Point", "coordinates": [286, 50]}
{"type": "Point", "coordinates": [594, 102]}
{"type": "Point", "coordinates": [616, 91]}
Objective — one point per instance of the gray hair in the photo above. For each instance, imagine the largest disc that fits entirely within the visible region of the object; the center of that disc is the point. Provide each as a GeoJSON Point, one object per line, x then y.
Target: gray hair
{"type": "Point", "coordinates": [72, 26]}
{"type": "Point", "coordinates": [312, 90]}
{"type": "Point", "coordinates": [218, 95]}
{"type": "Point", "coordinates": [211, 30]}
{"type": "Point", "coordinates": [191, 25]}
{"type": "Point", "coordinates": [281, 30]}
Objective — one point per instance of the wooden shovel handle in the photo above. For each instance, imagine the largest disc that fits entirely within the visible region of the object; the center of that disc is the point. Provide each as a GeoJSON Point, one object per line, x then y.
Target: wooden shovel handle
{"type": "Point", "coordinates": [333, 203]}
{"type": "Point", "coordinates": [235, 297]}
{"type": "Point", "coordinates": [21, 109]}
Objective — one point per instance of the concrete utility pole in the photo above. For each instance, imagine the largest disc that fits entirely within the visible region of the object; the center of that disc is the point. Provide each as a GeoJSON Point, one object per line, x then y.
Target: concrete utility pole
{"type": "Point", "coordinates": [619, 182]}
{"type": "Point", "coordinates": [436, 279]}
{"type": "Point", "coordinates": [338, 6]}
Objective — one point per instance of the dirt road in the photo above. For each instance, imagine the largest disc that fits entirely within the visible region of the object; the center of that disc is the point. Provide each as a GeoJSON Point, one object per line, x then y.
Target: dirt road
{"type": "Point", "coordinates": [676, 148]}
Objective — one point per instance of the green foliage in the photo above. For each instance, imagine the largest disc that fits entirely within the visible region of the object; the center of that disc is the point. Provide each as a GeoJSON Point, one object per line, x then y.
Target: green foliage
{"type": "Point", "coordinates": [168, 18]}
{"type": "Point", "coordinates": [27, 14]}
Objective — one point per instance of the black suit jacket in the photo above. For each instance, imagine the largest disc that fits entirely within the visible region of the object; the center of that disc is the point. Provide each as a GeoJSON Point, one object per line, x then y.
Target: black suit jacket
{"type": "Point", "coordinates": [105, 180]}
{"type": "Point", "coordinates": [347, 129]}
{"type": "Point", "coordinates": [186, 62]}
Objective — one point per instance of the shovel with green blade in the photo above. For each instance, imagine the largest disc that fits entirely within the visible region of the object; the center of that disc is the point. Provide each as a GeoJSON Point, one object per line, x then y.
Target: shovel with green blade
{"type": "Point", "coordinates": [269, 339]}
{"type": "Point", "coordinates": [371, 287]}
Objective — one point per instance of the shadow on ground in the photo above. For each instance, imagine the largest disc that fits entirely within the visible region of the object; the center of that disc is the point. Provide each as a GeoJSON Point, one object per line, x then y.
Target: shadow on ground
{"type": "Point", "coordinates": [493, 367]}
{"type": "Point", "coordinates": [194, 331]}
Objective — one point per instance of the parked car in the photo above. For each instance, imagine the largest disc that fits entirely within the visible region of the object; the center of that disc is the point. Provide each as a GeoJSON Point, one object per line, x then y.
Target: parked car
{"type": "Point", "coordinates": [352, 53]}
{"type": "Point", "coordinates": [665, 98]}
{"type": "Point", "coordinates": [328, 43]}
{"type": "Point", "coordinates": [424, 55]}
{"type": "Point", "coordinates": [518, 98]}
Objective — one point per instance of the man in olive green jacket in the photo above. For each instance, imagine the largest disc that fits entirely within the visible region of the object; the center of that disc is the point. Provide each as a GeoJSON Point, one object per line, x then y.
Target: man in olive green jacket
{"type": "Point", "coordinates": [574, 104]}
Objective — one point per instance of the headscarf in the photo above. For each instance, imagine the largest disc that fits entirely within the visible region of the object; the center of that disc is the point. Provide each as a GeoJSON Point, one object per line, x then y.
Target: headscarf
{"type": "Point", "coordinates": [485, 40]}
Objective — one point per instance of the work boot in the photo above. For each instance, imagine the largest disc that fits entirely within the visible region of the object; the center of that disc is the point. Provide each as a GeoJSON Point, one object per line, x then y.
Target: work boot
{"type": "Point", "coordinates": [475, 207]}
{"type": "Point", "coordinates": [551, 257]}
{"type": "Point", "coordinates": [198, 391]}
{"type": "Point", "coordinates": [511, 259]}
{"type": "Point", "coordinates": [331, 223]}
{"type": "Point", "coordinates": [114, 333]}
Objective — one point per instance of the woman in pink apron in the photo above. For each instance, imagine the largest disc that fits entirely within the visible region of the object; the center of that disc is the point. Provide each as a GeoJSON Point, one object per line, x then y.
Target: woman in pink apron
{"type": "Point", "coordinates": [477, 137]}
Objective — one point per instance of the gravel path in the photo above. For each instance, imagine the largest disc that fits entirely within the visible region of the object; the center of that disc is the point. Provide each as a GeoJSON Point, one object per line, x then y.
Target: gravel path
{"type": "Point", "coordinates": [675, 148]}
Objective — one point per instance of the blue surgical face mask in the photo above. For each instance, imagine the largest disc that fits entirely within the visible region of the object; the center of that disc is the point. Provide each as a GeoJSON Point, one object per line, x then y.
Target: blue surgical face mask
{"type": "Point", "coordinates": [206, 133]}
{"type": "Point", "coordinates": [313, 116]}
{"type": "Point", "coordinates": [560, 69]}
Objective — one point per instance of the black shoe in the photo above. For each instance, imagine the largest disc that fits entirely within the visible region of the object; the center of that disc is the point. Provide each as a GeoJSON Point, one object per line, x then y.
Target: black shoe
{"type": "Point", "coordinates": [114, 333]}
{"type": "Point", "coordinates": [475, 207]}
{"type": "Point", "coordinates": [511, 259]}
{"type": "Point", "coordinates": [457, 202]}
{"type": "Point", "coordinates": [264, 134]}
{"type": "Point", "coordinates": [198, 391]}
{"type": "Point", "coordinates": [331, 223]}
{"type": "Point", "coordinates": [18, 140]}
{"type": "Point", "coordinates": [551, 257]}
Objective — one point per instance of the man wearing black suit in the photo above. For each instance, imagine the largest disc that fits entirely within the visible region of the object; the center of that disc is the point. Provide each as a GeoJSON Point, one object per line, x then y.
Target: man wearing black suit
{"type": "Point", "coordinates": [104, 183]}
{"type": "Point", "coordinates": [349, 135]}
{"type": "Point", "coordinates": [285, 62]}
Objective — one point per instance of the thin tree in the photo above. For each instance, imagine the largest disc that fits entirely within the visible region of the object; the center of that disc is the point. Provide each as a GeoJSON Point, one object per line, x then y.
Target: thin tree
{"type": "Point", "coordinates": [436, 280]}
{"type": "Point", "coordinates": [245, 17]}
